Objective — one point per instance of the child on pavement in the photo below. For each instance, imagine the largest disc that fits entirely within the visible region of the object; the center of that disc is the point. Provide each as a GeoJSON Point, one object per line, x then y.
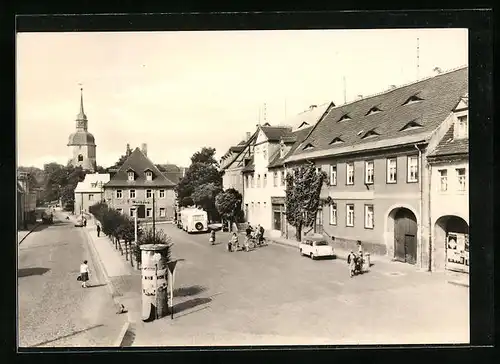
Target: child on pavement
{"type": "Point", "coordinates": [84, 273]}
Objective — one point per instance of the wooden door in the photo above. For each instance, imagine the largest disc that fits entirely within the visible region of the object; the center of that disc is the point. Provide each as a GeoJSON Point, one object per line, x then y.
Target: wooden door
{"type": "Point", "coordinates": [405, 236]}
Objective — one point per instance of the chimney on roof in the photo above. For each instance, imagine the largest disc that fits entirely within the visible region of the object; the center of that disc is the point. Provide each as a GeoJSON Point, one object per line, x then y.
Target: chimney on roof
{"type": "Point", "coordinates": [312, 107]}
{"type": "Point", "coordinates": [359, 97]}
{"type": "Point", "coordinates": [249, 135]}
{"type": "Point", "coordinates": [144, 149]}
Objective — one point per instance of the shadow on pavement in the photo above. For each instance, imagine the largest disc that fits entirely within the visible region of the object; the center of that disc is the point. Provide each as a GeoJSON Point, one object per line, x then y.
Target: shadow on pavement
{"type": "Point", "coordinates": [188, 291]}
{"type": "Point", "coordinates": [69, 335]}
{"type": "Point", "coordinates": [183, 306]}
{"type": "Point", "coordinates": [26, 272]}
{"type": "Point", "coordinates": [96, 285]}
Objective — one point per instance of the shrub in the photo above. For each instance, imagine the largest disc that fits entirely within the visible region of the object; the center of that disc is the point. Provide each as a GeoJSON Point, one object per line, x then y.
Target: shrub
{"type": "Point", "coordinates": [150, 237]}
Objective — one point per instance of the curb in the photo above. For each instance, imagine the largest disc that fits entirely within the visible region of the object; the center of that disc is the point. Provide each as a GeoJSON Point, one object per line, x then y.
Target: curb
{"type": "Point", "coordinates": [111, 289]}
{"type": "Point", "coordinates": [458, 283]}
{"type": "Point", "coordinates": [121, 337]}
{"type": "Point", "coordinates": [33, 229]}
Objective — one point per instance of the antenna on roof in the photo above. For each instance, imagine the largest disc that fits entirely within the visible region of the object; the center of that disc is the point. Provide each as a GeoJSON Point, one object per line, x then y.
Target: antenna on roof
{"type": "Point", "coordinates": [345, 96]}
{"type": "Point", "coordinates": [418, 57]}
{"type": "Point", "coordinates": [265, 113]}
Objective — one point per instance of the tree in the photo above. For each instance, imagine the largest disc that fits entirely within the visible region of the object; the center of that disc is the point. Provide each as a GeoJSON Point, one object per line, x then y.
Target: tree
{"type": "Point", "coordinates": [122, 159]}
{"type": "Point", "coordinates": [206, 156]}
{"type": "Point", "coordinates": [203, 170]}
{"type": "Point", "coordinates": [204, 196]}
{"type": "Point", "coordinates": [153, 237]}
{"type": "Point", "coordinates": [228, 204]}
{"type": "Point", "coordinates": [303, 188]}
{"type": "Point", "coordinates": [187, 201]}
{"type": "Point", "coordinates": [100, 169]}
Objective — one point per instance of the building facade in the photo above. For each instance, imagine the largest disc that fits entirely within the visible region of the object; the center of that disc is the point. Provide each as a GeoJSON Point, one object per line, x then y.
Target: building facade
{"type": "Point", "coordinates": [26, 196]}
{"type": "Point", "coordinates": [233, 177]}
{"type": "Point", "coordinates": [374, 151]}
{"type": "Point", "coordinates": [449, 195]}
{"type": "Point", "coordinates": [81, 143]}
{"type": "Point", "coordinates": [140, 182]}
{"type": "Point", "coordinates": [90, 191]}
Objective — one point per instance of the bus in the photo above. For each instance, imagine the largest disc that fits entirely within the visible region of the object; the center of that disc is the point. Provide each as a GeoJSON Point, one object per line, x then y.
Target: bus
{"type": "Point", "coordinates": [194, 220]}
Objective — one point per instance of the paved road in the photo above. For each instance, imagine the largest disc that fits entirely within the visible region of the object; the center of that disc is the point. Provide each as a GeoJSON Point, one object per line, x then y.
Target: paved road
{"type": "Point", "coordinates": [54, 310]}
{"type": "Point", "coordinates": [273, 295]}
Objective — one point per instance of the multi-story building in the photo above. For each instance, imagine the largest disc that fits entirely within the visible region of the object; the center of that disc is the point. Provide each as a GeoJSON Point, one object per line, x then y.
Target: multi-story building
{"type": "Point", "coordinates": [139, 182]}
{"type": "Point", "coordinates": [233, 177]}
{"type": "Point", "coordinates": [449, 195]}
{"type": "Point", "coordinates": [26, 200]}
{"type": "Point", "coordinates": [374, 151]}
{"type": "Point", "coordinates": [259, 161]}
{"type": "Point", "coordinates": [90, 191]}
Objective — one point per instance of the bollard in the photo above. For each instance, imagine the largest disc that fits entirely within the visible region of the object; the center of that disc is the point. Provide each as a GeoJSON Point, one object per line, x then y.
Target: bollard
{"type": "Point", "coordinates": [154, 281]}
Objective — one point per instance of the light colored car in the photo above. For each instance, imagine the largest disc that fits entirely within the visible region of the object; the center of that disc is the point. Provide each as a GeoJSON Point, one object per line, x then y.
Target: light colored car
{"type": "Point", "coordinates": [315, 247]}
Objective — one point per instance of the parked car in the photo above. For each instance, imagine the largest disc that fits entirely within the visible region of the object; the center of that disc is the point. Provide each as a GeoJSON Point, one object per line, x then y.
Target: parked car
{"type": "Point", "coordinates": [315, 248]}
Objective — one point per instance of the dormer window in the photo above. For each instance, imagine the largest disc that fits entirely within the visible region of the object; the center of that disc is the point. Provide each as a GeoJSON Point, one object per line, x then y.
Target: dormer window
{"type": "Point", "coordinates": [303, 125]}
{"type": "Point", "coordinates": [308, 146]}
{"type": "Point", "coordinates": [462, 127]}
{"type": "Point", "coordinates": [411, 125]}
{"type": "Point", "coordinates": [131, 175]}
{"type": "Point", "coordinates": [370, 134]}
{"type": "Point", "coordinates": [412, 100]}
{"type": "Point", "coordinates": [149, 176]}
{"type": "Point", "coordinates": [344, 117]}
{"type": "Point", "coordinates": [373, 110]}
{"type": "Point", "coordinates": [336, 140]}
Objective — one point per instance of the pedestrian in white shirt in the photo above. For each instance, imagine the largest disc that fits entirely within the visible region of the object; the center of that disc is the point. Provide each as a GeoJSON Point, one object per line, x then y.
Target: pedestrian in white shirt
{"type": "Point", "coordinates": [84, 273]}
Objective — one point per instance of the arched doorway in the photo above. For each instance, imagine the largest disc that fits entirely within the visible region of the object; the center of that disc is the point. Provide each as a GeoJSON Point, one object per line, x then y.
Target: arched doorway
{"type": "Point", "coordinates": [405, 235]}
{"type": "Point", "coordinates": [451, 244]}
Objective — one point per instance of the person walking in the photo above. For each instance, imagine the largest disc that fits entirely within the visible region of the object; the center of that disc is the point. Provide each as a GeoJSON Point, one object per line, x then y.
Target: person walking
{"type": "Point", "coordinates": [98, 230]}
{"type": "Point", "coordinates": [351, 261]}
{"type": "Point", "coordinates": [84, 273]}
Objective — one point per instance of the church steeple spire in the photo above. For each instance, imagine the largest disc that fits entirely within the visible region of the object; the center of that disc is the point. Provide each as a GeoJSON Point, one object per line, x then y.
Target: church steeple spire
{"type": "Point", "coordinates": [81, 118]}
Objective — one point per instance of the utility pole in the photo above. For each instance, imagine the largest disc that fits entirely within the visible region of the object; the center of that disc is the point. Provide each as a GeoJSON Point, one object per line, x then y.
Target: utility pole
{"type": "Point", "coordinates": [154, 231]}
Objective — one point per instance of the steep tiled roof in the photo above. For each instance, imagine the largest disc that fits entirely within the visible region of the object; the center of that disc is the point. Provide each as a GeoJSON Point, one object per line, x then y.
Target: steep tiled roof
{"type": "Point", "coordinates": [274, 133]}
{"type": "Point", "coordinates": [236, 155]}
{"type": "Point", "coordinates": [138, 162]}
{"type": "Point", "coordinates": [438, 96]}
{"type": "Point", "coordinates": [298, 136]}
{"type": "Point", "coordinates": [92, 182]}
{"type": "Point", "coordinates": [449, 146]}
{"type": "Point", "coordinates": [309, 116]}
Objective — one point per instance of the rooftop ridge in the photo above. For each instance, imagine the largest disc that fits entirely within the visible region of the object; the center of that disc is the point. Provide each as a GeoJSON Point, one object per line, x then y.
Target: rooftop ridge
{"type": "Point", "coordinates": [403, 85]}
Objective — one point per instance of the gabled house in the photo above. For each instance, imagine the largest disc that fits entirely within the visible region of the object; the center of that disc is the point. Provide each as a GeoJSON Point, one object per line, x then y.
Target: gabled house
{"type": "Point", "coordinates": [139, 181]}
{"type": "Point", "coordinates": [449, 195]}
{"type": "Point", "coordinates": [229, 164]}
{"type": "Point", "coordinates": [90, 191]}
{"type": "Point", "coordinates": [374, 151]}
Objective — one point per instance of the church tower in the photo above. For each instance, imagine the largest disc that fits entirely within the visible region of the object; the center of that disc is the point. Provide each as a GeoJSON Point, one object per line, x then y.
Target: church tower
{"type": "Point", "coordinates": [82, 143]}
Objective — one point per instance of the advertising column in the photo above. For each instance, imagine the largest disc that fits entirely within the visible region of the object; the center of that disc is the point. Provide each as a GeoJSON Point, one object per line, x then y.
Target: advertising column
{"type": "Point", "coordinates": [154, 281]}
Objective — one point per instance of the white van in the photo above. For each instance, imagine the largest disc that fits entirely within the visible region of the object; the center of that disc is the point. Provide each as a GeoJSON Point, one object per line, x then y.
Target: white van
{"type": "Point", "coordinates": [194, 220]}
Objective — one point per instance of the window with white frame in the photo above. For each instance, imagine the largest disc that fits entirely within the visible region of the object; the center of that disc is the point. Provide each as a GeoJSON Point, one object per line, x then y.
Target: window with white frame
{"type": "Point", "coordinates": [412, 168]}
{"type": "Point", "coordinates": [462, 131]}
{"type": "Point", "coordinates": [462, 179]}
{"type": "Point", "coordinates": [349, 215]}
{"type": "Point", "coordinates": [91, 197]}
{"type": "Point", "coordinates": [369, 169]}
{"type": "Point", "coordinates": [149, 212]}
{"type": "Point", "coordinates": [349, 173]}
{"type": "Point", "coordinates": [119, 194]}
{"type": "Point", "coordinates": [443, 180]}
{"type": "Point", "coordinates": [252, 180]}
{"type": "Point", "coordinates": [131, 193]}
{"type": "Point", "coordinates": [149, 176]}
{"type": "Point", "coordinates": [283, 178]}
{"type": "Point", "coordinates": [132, 212]}
{"type": "Point", "coordinates": [247, 181]}
{"type": "Point", "coordinates": [149, 193]}
{"type": "Point", "coordinates": [258, 181]}
{"type": "Point", "coordinates": [333, 214]}
{"type": "Point", "coordinates": [253, 206]}
{"type": "Point", "coordinates": [264, 181]}
{"type": "Point", "coordinates": [131, 175]}
{"type": "Point", "coordinates": [264, 206]}
{"type": "Point", "coordinates": [369, 216]}
{"type": "Point", "coordinates": [392, 170]}
{"type": "Point", "coordinates": [258, 207]}
{"type": "Point", "coordinates": [120, 211]}
{"type": "Point", "coordinates": [162, 193]}
{"type": "Point", "coordinates": [333, 175]}
{"type": "Point", "coordinates": [163, 212]}
{"type": "Point", "coordinates": [275, 179]}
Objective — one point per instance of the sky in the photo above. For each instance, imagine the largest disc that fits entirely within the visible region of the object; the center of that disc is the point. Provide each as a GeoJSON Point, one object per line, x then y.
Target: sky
{"type": "Point", "coordinates": [180, 91]}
